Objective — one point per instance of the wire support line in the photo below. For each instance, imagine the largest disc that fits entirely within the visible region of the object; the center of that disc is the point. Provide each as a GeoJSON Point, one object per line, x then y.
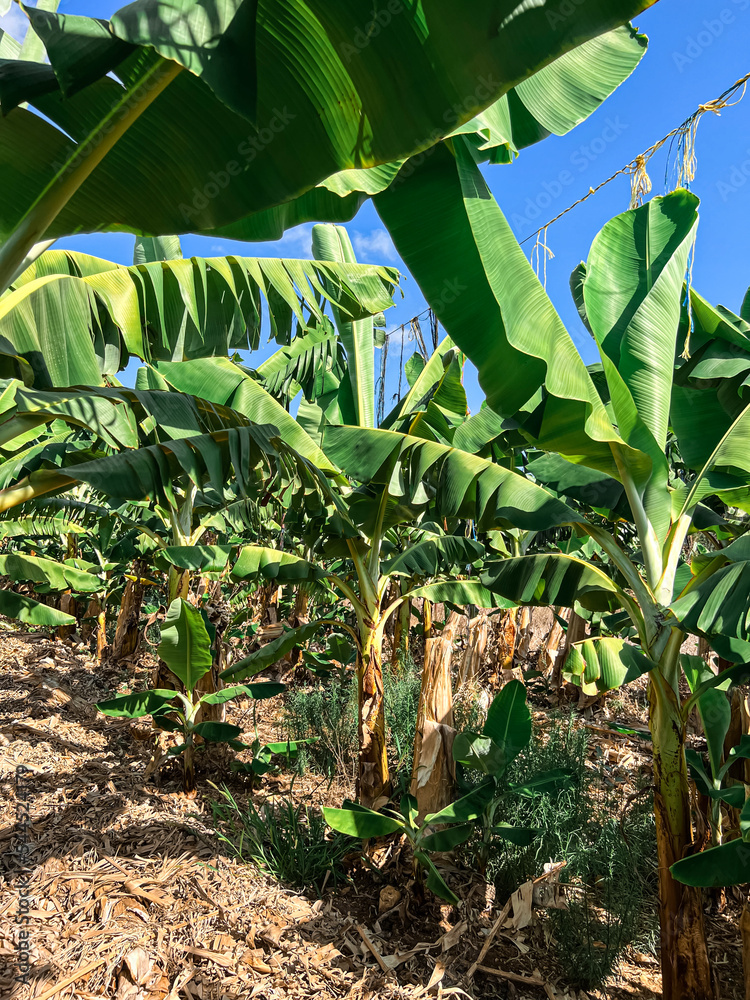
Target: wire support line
{"type": "Point", "coordinates": [684, 135]}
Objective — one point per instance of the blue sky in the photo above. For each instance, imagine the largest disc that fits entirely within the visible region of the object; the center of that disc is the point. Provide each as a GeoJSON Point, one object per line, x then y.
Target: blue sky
{"type": "Point", "coordinates": [698, 48]}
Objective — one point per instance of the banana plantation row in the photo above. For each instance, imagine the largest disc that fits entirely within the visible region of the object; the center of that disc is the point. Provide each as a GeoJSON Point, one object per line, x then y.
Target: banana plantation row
{"type": "Point", "coordinates": [618, 490]}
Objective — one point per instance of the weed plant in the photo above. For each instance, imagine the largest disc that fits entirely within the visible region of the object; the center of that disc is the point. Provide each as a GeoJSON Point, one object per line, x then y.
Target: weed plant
{"type": "Point", "coordinates": [290, 843]}
{"type": "Point", "coordinates": [610, 860]}
{"type": "Point", "coordinates": [401, 687]}
{"type": "Point", "coordinates": [327, 712]}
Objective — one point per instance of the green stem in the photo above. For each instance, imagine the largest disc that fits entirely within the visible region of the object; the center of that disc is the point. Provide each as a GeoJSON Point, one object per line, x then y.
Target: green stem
{"type": "Point", "coordinates": [650, 549]}
{"type": "Point", "coordinates": [103, 137]}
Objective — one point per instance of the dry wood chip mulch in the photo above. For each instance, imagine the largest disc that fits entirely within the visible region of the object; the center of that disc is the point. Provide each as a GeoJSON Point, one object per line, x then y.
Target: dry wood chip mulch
{"type": "Point", "coordinates": [129, 896]}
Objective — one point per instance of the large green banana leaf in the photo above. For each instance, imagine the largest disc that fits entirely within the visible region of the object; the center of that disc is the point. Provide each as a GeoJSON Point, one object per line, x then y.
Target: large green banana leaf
{"type": "Point", "coordinates": [437, 555]}
{"type": "Point", "coordinates": [199, 558]}
{"type": "Point", "coordinates": [122, 418]}
{"type": "Point", "coordinates": [715, 604]}
{"type": "Point", "coordinates": [238, 458]}
{"type": "Point", "coordinates": [452, 235]}
{"type": "Point", "coordinates": [220, 380]}
{"type": "Point", "coordinates": [71, 319]}
{"type": "Point", "coordinates": [464, 484]}
{"type": "Point", "coordinates": [275, 96]}
{"type": "Point", "coordinates": [258, 562]}
{"type": "Point", "coordinates": [185, 645]}
{"type": "Point", "coordinates": [57, 576]}
{"type": "Point", "coordinates": [461, 592]}
{"type": "Point", "coordinates": [309, 364]}
{"type": "Point", "coordinates": [24, 609]}
{"type": "Point", "coordinates": [554, 579]}
{"type": "Point", "coordinates": [632, 290]}
{"type": "Point", "coordinates": [554, 100]}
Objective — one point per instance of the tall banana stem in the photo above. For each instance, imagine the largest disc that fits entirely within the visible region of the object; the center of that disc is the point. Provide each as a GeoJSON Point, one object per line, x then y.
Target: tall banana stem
{"type": "Point", "coordinates": [80, 165]}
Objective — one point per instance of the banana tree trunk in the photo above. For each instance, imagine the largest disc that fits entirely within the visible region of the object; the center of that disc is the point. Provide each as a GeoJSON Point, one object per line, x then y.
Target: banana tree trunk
{"type": "Point", "coordinates": [300, 617]}
{"type": "Point", "coordinates": [69, 606]}
{"type": "Point", "coordinates": [426, 620]}
{"type": "Point", "coordinates": [686, 973]}
{"type": "Point", "coordinates": [127, 633]}
{"type": "Point", "coordinates": [551, 651]}
{"type": "Point", "coordinates": [179, 584]}
{"type": "Point", "coordinates": [523, 644]}
{"type": "Point", "coordinates": [95, 612]}
{"type": "Point", "coordinates": [508, 629]}
{"type": "Point", "coordinates": [373, 782]}
{"type": "Point", "coordinates": [434, 774]}
{"type": "Point", "coordinates": [476, 648]}
{"type": "Point", "coordinates": [188, 765]}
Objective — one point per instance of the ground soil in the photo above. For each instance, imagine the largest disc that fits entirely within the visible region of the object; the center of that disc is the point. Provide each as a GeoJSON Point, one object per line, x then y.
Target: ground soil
{"type": "Point", "coordinates": [131, 895]}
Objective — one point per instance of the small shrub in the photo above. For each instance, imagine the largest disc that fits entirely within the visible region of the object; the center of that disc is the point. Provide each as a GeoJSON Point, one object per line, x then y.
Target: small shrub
{"type": "Point", "coordinates": [610, 910]}
{"type": "Point", "coordinates": [402, 687]}
{"type": "Point", "coordinates": [327, 713]}
{"type": "Point", "coordinates": [610, 865]}
{"type": "Point", "coordinates": [285, 841]}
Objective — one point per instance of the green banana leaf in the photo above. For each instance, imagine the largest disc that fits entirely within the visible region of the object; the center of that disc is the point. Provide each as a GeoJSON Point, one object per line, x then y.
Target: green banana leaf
{"type": "Point", "coordinates": [728, 864]}
{"type": "Point", "coordinates": [604, 664]}
{"type": "Point", "coordinates": [220, 380]}
{"type": "Point", "coordinates": [542, 580]}
{"type": "Point", "coordinates": [280, 97]}
{"type": "Point", "coordinates": [71, 319]}
{"type": "Point", "coordinates": [434, 556]}
{"type": "Point", "coordinates": [185, 645]}
{"type": "Point", "coordinates": [31, 612]}
{"type": "Point", "coordinates": [632, 292]}
{"type": "Point", "coordinates": [554, 100]}
{"type": "Point", "coordinates": [454, 239]}
{"type": "Point", "coordinates": [256, 562]}
{"type": "Point", "coordinates": [465, 485]}
{"type": "Point", "coordinates": [461, 592]}
{"type": "Point", "coordinates": [272, 651]}
{"type": "Point", "coordinates": [56, 575]}
{"type": "Point", "coordinates": [332, 243]}
{"type": "Point", "coordinates": [508, 721]}
{"type": "Point", "coordinates": [199, 558]}
{"type": "Point", "coordinates": [360, 822]}
{"type": "Point", "coordinates": [136, 704]}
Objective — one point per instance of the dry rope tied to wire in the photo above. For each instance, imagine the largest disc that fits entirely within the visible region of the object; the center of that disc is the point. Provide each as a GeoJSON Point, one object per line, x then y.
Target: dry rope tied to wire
{"type": "Point", "coordinates": [685, 137]}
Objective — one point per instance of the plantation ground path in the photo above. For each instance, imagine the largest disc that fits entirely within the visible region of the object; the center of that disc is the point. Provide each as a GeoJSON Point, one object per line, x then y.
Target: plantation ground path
{"type": "Point", "coordinates": [133, 898]}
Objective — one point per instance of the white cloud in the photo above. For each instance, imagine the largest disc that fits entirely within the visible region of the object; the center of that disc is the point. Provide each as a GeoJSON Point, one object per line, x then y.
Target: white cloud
{"type": "Point", "coordinates": [219, 249]}
{"type": "Point", "coordinates": [295, 242]}
{"type": "Point", "coordinates": [376, 247]}
{"type": "Point", "coordinates": [15, 22]}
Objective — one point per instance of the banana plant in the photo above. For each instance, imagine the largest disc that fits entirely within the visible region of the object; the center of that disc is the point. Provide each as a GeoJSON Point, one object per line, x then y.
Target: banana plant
{"type": "Point", "coordinates": [267, 129]}
{"type": "Point", "coordinates": [726, 862]}
{"type": "Point", "coordinates": [613, 426]}
{"type": "Point", "coordinates": [47, 576]}
{"type": "Point", "coordinates": [458, 822]}
{"type": "Point", "coordinates": [505, 734]}
{"type": "Point", "coordinates": [72, 319]}
{"type": "Point", "coordinates": [186, 649]}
